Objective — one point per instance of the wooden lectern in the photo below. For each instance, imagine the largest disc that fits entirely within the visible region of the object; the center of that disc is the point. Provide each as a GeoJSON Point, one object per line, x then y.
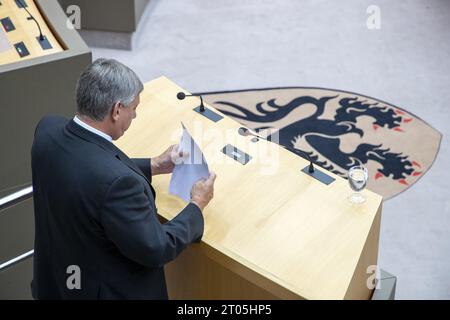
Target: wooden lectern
{"type": "Point", "coordinates": [271, 231]}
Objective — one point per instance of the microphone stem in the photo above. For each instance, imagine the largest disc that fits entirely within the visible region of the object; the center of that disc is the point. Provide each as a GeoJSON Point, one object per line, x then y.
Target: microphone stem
{"type": "Point", "coordinates": [41, 36]}
{"type": "Point", "coordinates": [311, 168]}
{"type": "Point", "coordinates": [202, 106]}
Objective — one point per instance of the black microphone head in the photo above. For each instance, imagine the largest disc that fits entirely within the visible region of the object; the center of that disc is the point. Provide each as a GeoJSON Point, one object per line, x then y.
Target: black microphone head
{"type": "Point", "coordinates": [181, 95]}
{"type": "Point", "coordinates": [244, 131]}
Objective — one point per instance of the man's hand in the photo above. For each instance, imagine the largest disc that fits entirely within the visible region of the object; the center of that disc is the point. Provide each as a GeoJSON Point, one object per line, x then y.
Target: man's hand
{"type": "Point", "coordinates": [203, 191]}
{"type": "Point", "coordinates": [167, 160]}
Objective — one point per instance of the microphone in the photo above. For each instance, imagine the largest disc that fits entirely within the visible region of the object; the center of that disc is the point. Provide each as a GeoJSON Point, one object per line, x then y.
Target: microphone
{"type": "Point", "coordinates": [41, 36]}
{"type": "Point", "coordinates": [182, 95]}
{"type": "Point", "coordinates": [311, 168]}
{"type": "Point", "coordinates": [246, 132]}
{"type": "Point", "coordinates": [201, 109]}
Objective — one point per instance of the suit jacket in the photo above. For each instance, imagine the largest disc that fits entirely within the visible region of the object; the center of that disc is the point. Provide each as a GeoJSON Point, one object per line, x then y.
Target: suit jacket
{"type": "Point", "coordinates": [95, 211]}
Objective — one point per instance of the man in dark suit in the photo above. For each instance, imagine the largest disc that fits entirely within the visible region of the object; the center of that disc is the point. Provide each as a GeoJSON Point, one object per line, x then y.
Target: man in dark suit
{"type": "Point", "coordinates": [97, 231]}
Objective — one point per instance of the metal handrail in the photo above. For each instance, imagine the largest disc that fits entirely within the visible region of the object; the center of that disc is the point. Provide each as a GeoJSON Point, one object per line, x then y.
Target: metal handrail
{"type": "Point", "coordinates": [15, 198]}
{"type": "Point", "coordinates": [8, 202]}
{"type": "Point", "coordinates": [16, 260]}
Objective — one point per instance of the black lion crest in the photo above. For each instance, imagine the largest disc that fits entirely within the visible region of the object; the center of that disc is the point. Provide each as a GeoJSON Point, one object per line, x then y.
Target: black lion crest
{"type": "Point", "coordinates": [333, 117]}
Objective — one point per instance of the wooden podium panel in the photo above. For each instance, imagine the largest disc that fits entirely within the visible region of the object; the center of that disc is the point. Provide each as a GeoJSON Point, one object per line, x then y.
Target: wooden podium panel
{"type": "Point", "coordinates": [25, 31]}
{"type": "Point", "coordinates": [271, 231]}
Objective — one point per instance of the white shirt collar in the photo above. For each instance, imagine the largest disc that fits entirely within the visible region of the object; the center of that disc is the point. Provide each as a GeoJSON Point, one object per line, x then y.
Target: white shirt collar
{"type": "Point", "coordinates": [91, 129]}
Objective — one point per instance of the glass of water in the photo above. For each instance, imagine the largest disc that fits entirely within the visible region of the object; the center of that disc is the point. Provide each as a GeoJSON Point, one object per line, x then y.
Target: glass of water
{"type": "Point", "coordinates": [357, 178]}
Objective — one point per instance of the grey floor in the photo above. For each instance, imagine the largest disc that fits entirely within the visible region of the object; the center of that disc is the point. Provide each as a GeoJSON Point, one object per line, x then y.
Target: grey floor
{"type": "Point", "coordinates": [216, 45]}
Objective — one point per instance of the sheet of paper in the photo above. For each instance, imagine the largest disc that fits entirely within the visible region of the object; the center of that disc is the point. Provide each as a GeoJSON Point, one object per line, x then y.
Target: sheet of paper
{"type": "Point", "coordinates": [4, 44]}
{"type": "Point", "coordinates": [191, 169]}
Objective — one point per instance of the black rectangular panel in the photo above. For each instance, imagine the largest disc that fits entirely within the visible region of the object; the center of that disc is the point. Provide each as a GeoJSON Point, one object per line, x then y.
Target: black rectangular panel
{"type": "Point", "coordinates": [7, 24]}
{"type": "Point", "coordinates": [45, 44]}
{"type": "Point", "coordinates": [319, 175]}
{"type": "Point", "coordinates": [21, 3]}
{"type": "Point", "coordinates": [21, 49]}
{"type": "Point", "coordinates": [236, 154]}
{"type": "Point", "coordinates": [211, 115]}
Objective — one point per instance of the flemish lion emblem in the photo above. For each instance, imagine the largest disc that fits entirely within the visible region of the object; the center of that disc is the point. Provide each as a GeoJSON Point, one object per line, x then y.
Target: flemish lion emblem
{"type": "Point", "coordinates": [340, 129]}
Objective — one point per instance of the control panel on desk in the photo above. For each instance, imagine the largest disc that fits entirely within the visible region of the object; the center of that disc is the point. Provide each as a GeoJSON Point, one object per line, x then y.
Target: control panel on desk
{"type": "Point", "coordinates": [24, 33]}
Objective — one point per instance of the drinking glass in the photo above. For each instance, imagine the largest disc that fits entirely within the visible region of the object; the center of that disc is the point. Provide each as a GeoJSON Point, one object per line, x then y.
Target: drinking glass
{"type": "Point", "coordinates": [357, 178]}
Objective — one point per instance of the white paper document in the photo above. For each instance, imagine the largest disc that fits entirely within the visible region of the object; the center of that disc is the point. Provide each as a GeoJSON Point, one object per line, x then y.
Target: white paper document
{"type": "Point", "coordinates": [191, 169]}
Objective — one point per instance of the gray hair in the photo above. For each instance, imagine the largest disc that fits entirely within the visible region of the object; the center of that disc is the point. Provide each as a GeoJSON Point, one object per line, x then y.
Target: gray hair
{"type": "Point", "coordinates": [104, 83]}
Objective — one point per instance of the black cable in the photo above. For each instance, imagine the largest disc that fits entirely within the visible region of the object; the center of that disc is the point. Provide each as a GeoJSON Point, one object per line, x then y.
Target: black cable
{"type": "Point", "coordinates": [41, 36]}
